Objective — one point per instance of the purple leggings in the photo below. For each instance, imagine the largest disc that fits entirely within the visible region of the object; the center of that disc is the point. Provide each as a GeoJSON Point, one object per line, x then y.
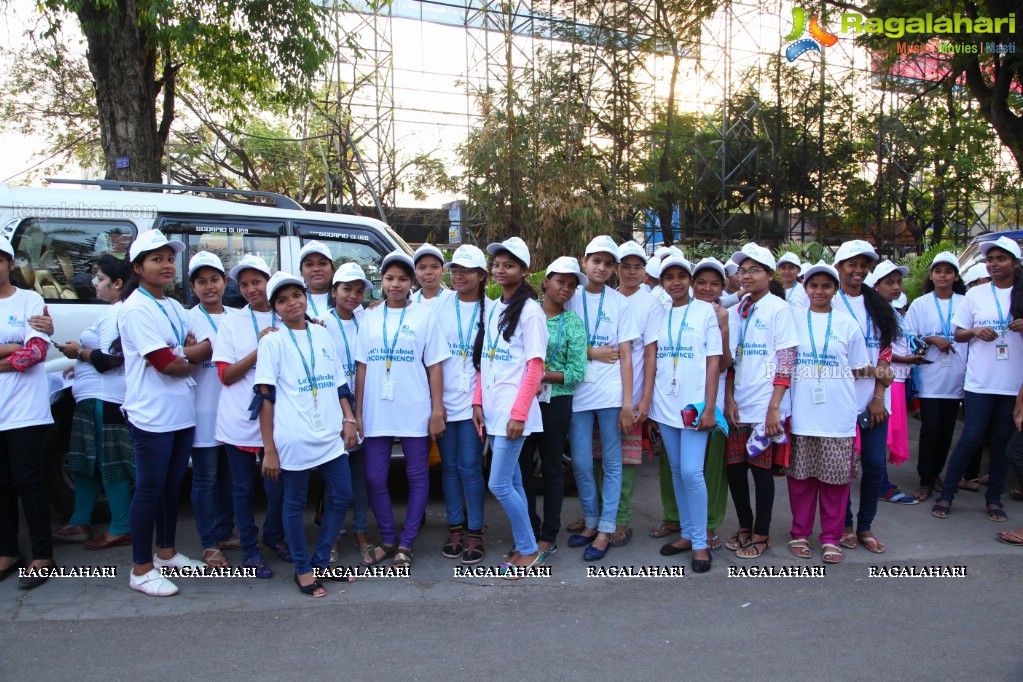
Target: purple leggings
{"type": "Point", "coordinates": [378, 464]}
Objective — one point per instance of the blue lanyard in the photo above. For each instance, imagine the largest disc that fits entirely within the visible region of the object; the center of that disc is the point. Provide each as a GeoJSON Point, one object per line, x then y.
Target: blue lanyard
{"type": "Point", "coordinates": [312, 304]}
{"type": "Point", "coordinates": [492, 346]}
{"type": "Point", "coordinates": [866, 334]}
{"type": "Point", "coordinates": [310, 375]}
{"type": "Point", "coordinates": [749, 318]}
{"type": "Point", "coordinates": [389, 352]}
{"type": "Point", "coordinates": [1002, 322]}
{"type": "Point", "coordinates": [209, 317]}
{"type": "Point", "coordinates": [179, 332]}
{"type": "Point", "coordinates": [676, 348]}
{"type": "Point", "coordinates": [350, 367]}
{"type": "Point", "coordinates": [458, 312]}
{"type": "Point", "coordinates": [813, 341]}
{"type": "Point", "coordinates": [255, 325]}
{"type": "Point", "coordinates": [788, 292]}
{"type": "Point", "coordinates": [946, 325]}
{"type": "Point", "coordinates": [586, 315]}
{"type": "Point", "coordinates": [557, 346]}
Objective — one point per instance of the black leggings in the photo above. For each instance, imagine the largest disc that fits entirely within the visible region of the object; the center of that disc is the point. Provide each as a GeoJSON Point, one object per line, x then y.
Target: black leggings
{"type": "Point", "coordinates": [937, 425]}
{"type": "Point", "coordinates": [763, 484]}
{"type": "Point", "coordinates": [21, 476]}
{"type": "Point", "coordinates": [557, 415]}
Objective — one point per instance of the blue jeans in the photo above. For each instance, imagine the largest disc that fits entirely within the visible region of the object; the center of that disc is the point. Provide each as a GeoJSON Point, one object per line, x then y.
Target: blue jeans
{"type": "Point", "coordinates": [360, 496]}
{"type": "Point", "coordinates": [211, 495]}
{"type": "Point", "coordinates": [461, 455]}
{"type": "Point", "coordinates": [246, 467]}
{"type": "Point", "coordinates": [337, 495]}
{"type": "Point", "coordinates": [161, 460]}
{"type": "Point", "coordinates": [580, 435]}
{"type": "Point", "coordinates": [686, 450]}
{"type": "Point", "coordinates": [506, 484]}
{"type": "Point", "coordinates": [873, 450]}
{"type": "Point", "coordinates": [985, 414]}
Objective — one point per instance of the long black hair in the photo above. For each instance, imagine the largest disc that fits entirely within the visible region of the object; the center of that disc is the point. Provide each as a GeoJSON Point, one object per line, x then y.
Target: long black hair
{"type": "Point", "coordinates": [133, 281]}
{"type": "Point", "coordinates": [883, 315]}
{"type": "Point", "coordinates": [1016, 297]}
{"type": "Point", "coordinates": [509, 319]}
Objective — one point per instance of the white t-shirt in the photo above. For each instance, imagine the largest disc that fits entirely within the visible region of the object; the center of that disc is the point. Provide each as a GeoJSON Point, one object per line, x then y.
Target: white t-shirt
{"type": "Point", "coordinates": [502, 375]}
{"type": "Point", "coordinates": [207, 383]}
{"type": "Point", "coordinates": [345, 334]}
{"type": "Point", "coordinates": [767, 329]}
{"type": "Point", "coordinates": [924, 319]}
{"type": "Point", "coordinates": [459, 373]}
{"type": "Point", "coordinates": [646, 312]}
{"type": "Point", "coordinates": [615, 326]}
{"type": "Point", "coordinates": [441, 297]}
{"type": "Point", "coordinates": [700, 339]}
{"type": "Point", "coordinates": [236, 338]}
{"type": "Point", "coordinates": [796, 297]}
{"type": "Point", "coordinates": [108, 386]}
{"type": "Point", "coordinates": [307, 430]}
{"type": "Point", "coordinates": [846, 350]}
{"type": "Point", "coordinates": [985, 373]}
{"type": "Point", "coordinates": [417, 341]}
{"type": "Point", "coordinates": [26, 395]}
{"type": "Point", "coordinates": [318, 305]}
{"type": "Point", "coordinates": [153, 401]}
{"type": "Point", "coordinates": [900, 346]}
{"type": "Point", "coordinates": [728, 300]}
{"type": "Point", "coordinates": [872, 337]}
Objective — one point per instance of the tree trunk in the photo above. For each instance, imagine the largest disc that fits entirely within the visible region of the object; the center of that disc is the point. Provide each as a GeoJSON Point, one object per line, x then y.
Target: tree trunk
{"type": "Point", "coordinates": [123, 66]}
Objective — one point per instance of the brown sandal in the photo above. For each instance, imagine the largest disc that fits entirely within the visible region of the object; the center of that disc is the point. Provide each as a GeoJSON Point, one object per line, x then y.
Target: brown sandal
{"type": "Point", "coordinates": [402, 558]}
{"type": "Point", "coordinates": [757, 546]}
{"type": "Point", "coordinates": [735, 543]}
{"type": "Point", "coordinates": [663, 530]}
{"type": "Point", "coordinates": [214, 558]}
{"type": "Point", "coordinates": [378, 554]}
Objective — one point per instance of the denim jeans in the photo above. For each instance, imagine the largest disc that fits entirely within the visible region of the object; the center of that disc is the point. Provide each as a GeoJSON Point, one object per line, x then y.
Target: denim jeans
{"type": "Point", "coordinates": [557, 415]}
{"type": "Point", "coordinates": [461, 455]}
{"type": "Point", "coordinates": [985, 414]}
{"type": "Point", "coordinates": [506, 484]}
{"type": "Point", "coordinates": [873, 451]}
{"type": "Point", "coordinates": [337, 495]}
{"type": "Point", "coordinates": [580, 435]}
{"type": "Point", "coordinates": [686, 449]}
{"type": "Point", "coordinates": [21, 476]}
{"type": "Point", "coordinates": [211, 495]}
{"type": "Point", "coordinates": [360, 497]}
{"type": "Point", "coordinates": [161, 460]}
{"type": "Point", "coordinates": [246, 467]}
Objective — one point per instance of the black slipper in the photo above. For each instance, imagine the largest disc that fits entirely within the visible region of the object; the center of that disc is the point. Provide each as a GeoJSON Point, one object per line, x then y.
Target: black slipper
{"type": "Point", "coordinates": [671, 550]}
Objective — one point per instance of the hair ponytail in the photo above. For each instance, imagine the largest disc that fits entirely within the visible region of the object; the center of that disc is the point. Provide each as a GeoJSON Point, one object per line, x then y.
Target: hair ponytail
{"type": "Point", "coordinates": [776, 287]}
{"type": "Point", "coordinates": [477, 345]}
{"type": "Point", "coordinates": [510, 317]}
{"type": "Point", "coordinates": [1016, 296]}
{"type": "Point", "coordinates": [883, 315]}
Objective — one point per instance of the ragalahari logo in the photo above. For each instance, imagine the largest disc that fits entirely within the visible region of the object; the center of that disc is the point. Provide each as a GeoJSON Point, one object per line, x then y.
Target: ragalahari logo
{"type": "Point", "coordinates": [818, 36]}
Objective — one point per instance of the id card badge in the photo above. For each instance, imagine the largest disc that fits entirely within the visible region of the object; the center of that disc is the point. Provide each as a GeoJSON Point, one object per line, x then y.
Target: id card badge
{"type": "Point", "coordinates": [946, 359]}
{"type": "Point", "coordinates": [591, 373]}
{"type": "Point", "coordinates": [387, 390]}
{"type": "Point", "coordinates": [317, 419]}
{"type": "Point", "coordinates": [818, 393]}
{"type": "Point", "coordinates": [1002, 351]}
{"type": "Point", "coordinates": [673, 387]}
{"type": "Point", "coordinates": [738, 375]}
{"type": "Point", "coordinates": [545, 392]}
{"type": "Point", "coordinates": [189, 381]}
{"type": "Point", "coordinates": [465, 382]}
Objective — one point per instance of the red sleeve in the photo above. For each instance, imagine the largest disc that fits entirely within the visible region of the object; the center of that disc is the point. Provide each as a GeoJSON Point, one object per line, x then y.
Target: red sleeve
{"type": "Point", "coordinates": [221, 366]}
{"type": "Point", "coordinates": [885, 354]}
{"type": "Point", "coordinates": [161, 358]}
{"type": "Point", "coordinates": [785, 362]}
{"type": "Point", "coordinates": [477, 395]}
{"type": "Point", "coordinates": [527, 390]}
{"type": "Point", "coordinates": [31, 354]}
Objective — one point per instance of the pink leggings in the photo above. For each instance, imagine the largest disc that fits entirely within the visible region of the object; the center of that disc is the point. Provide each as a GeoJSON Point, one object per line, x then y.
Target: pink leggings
{"type": "Point", "coordinates": [803, 498]}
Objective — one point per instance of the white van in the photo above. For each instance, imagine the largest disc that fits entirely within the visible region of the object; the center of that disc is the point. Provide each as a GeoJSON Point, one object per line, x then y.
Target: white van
{"type": "Point", "coordinates": [59, 233]}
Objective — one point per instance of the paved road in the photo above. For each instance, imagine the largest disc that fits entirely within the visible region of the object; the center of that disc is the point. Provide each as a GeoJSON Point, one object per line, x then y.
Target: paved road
{"type": "Point", "coordinates": [845, 625]}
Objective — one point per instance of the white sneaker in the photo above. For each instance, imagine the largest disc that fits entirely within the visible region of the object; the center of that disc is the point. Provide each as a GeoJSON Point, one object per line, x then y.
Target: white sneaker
{"type": "Point", "coordinates": [179, 560]}
{"type": "Point", "coordinates": [153, 584]}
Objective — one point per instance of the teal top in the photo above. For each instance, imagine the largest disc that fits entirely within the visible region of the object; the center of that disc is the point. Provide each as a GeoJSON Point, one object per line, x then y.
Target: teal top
{"type": "Point", "coordinates": [570, 356]}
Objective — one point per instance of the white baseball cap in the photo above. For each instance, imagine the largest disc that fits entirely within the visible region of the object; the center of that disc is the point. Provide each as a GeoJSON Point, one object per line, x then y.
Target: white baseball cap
{"type": "Point", "coordinates": [665, 250]}
{"type": "Point", "coordinates": [428, 249]}
{"type": "Point", "coordinates": [250, 261]}
{"type": "Point", "coordinates": [567, 265]}
{"type": "Point", "coordinates": [821, 266]}
{"type": "Point", "coordinates": [803, 268]}
{"type": "Point", "coordinates": [882, 270]}
{"type": "Point", "coordinates": [5, 247]}
{"type": "Point", "coordinates": [399, 256]}
{"type": "Point", "coordinates": [757, 253]}
{"type": "Point", "coordinates": [631, 248]}
{"type": "Point", "coordinates": [901, 301]}
{"type": "Point", "coordinates": [946, 257]}
{"type": "Point", "coordinates": [468, 256]}
{"type": "Point", "coordinates": [351, 272]}
{"type": "Point", "coordinates": [791, 258]}
{"type": "Point", "coordinates": [977, 271]}
{"type": "Point", "coordinates": [314, 247]}
{"type": "Point", "coordinates": [1003, 243]}
{"type": "Point", "coordinates": [671, 261]}
{"type": "Point", "coordinates": [281, 279]}
{"type": "Point", "coordinates": [603, 244]}
{"type": "Point", "coordinates": [205, 259]}
{"type": "Point", "coordinates": [711, 263]}
{"type": "Point", "coordinates": [151, 240]}
{"type": "Point", "coordinates": [731, 268]}
{"type": "Point", "coordinates": [856, 247]}
{"type": "Point", "coordinates": [653, 267]}
{"type": "Point", "coordinates": [512, 245]}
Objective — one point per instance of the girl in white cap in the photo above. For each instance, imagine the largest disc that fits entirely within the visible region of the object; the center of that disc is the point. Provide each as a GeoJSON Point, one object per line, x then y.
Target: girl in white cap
{"type": "Point", "coordinates": [941, 382]}
{"type": "Point", "coordinates": [991, 320]}
{"type": "Point", "coordinates": [396, 398]}
{"type": "Point", "coordinates": [302, 410]}
{"type": "Point", "coordinates": [788, 270]}
{"type": "Point", "coordinates": [429, 264]}
{"type": "Point", "coordinates": [316, 265]}
{"type": "Point", "coordinates": [211, 474]}
{"type": "Point", "coordinates": [461, 450]}
{"type": "Point", "coordinates": [236, 355]}
{"type": "Point", "coordinates": [23, 422]}
{"type": "Point", "coordinates": [162, 350]}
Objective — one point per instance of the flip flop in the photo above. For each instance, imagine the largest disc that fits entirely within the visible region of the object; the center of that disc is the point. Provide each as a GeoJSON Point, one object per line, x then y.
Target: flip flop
{"type": "Point", "coordinates": [849, 541]}
{"type": "Point", "coordinates": [1009, 538]}
{"type": "Point", "coordinates": [871, 544]}
{"type": "Point", "coordinates": [623, 539]}
{"type": "Point", "coordinates": [663, 530]}
{"type": "Point", "coordinates": [997, 514]}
